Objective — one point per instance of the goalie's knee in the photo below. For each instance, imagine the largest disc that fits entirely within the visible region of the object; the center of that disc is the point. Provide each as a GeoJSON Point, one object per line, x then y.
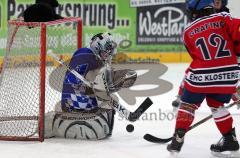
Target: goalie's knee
{"type": "Point", "coordinates": [86, 125]}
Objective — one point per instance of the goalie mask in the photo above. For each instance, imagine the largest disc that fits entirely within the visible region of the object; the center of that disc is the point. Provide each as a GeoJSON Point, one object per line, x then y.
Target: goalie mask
{"type": "Point", "coordinates": [103, 46]}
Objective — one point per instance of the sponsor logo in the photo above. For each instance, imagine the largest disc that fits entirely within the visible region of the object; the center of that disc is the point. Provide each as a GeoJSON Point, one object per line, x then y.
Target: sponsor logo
{"type": "Point", "coordinates": [221, 76]}
{"type": "Point", "coordinates": [15, 9]}
{"type": "Point", "coordinates": [142, 3]}
{"type": "Point", "coordinates": [161, 24]}
{"type": "Point", "coordinates": [98, 14]}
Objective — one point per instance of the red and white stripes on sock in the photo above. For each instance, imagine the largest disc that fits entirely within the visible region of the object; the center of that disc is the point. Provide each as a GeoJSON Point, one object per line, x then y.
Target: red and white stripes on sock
{"type": "Point", "coordinates": [185, 116]}
{"type": "Point", "coordinates": [223, 119]}
{"type": "Point", "coordinates": [221, 115]}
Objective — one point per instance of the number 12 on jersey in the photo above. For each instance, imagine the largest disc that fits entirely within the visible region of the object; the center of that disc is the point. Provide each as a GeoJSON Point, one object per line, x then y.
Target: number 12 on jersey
{"type": "Point", "coordinates": [214, 40]}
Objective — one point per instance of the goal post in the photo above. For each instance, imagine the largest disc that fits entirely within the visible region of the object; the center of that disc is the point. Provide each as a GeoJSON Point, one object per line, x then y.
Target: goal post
{"type": "Point", "coordinates": [30, 81]}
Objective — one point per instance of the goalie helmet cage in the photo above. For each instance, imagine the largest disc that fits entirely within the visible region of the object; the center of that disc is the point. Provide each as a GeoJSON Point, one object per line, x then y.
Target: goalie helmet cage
{"type": "Point", "coordinates": [30, 81]}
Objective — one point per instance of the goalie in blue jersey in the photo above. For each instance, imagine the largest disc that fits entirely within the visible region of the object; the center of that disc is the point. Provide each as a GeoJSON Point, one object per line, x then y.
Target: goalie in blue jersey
{"type": "Point", "coordinates": [87, 113]}
{"type": "Point", "coordinates": [76, 96]}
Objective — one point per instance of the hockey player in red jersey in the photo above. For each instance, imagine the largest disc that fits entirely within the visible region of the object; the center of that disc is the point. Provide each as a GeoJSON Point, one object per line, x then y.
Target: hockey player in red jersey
{"type": "Point", "coordinates": [212, 75]}
{"type": "Point", "coordinates": [219, 6]}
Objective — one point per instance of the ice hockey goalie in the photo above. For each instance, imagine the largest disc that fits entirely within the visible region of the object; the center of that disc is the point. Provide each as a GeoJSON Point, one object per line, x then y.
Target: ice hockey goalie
{"type": "Point", "coordinates": [86, 113]}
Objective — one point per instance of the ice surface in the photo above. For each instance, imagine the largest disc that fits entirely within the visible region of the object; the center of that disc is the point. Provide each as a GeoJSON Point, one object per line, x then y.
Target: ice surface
{"type": "Point", "coordinates": [130, 145]}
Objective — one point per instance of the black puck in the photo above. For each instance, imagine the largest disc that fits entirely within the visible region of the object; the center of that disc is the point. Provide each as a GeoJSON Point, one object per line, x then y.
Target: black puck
{"type": "Point", "coordinates": [130, 128]}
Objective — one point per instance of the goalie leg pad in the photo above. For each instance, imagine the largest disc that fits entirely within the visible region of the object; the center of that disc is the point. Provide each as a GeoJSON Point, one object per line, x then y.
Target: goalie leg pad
{"type": "Point", "coordinates": [93, 125]}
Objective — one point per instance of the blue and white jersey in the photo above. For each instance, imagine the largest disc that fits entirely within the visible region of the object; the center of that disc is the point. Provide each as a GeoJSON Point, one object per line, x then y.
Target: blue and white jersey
{"type": "Point", "coordinates": [74, 95]}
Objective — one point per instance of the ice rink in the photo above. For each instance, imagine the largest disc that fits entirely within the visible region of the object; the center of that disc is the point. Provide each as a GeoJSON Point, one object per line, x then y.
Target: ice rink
{"type": "Point", "coordinates": [131, 145]}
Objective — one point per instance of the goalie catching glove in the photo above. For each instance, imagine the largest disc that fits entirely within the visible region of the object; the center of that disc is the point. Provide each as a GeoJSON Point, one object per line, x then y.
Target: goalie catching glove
{"type": "Point", "coordinates": [122, 79]}
{"type": "Point", "coordinates": [107, 83]}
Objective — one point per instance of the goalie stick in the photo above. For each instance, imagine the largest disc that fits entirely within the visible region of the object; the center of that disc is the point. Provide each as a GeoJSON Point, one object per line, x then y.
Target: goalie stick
{"type": "Point", "coordinates": [153, 139]}
{"type": "Point", "coordinates": [131, 116]}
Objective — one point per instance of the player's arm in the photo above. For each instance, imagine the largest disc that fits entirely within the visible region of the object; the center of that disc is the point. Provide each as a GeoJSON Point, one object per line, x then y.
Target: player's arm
{"type": "Point", "coordinates": [177, 101]}
{"type": "Point", "coordinates": [233, 29]}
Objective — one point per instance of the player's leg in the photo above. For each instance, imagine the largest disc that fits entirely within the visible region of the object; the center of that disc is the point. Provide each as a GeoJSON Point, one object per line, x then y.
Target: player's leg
{"type": "Point", "coordinates": [190, 102]}
{"type": "Point", "coordinates": [224, 122]}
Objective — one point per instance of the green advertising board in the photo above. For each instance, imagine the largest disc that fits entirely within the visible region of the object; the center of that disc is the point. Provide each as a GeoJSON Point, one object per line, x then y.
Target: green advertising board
{"type": "Point", "coordinates": [137, 28]}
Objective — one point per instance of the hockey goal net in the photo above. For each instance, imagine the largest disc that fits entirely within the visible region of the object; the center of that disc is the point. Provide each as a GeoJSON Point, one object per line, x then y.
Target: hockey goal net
{"type": "Point", "coordinates": [30, 81]}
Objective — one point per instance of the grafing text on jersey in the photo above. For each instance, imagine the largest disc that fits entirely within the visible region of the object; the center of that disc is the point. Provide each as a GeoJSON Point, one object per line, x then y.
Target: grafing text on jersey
{"type": "Point", "coordinates": [214, 68]}
{"type": "Point", "coordinates": [74, 92]}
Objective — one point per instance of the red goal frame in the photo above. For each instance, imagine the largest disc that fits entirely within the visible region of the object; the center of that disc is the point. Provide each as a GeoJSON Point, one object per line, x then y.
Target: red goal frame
{"type": "Point", "coordinates": [43, 48]}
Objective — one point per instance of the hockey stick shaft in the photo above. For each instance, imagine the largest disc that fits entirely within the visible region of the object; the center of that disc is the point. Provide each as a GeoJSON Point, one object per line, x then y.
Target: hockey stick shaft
{"type": "Point", "coordinates": [115, 104]}
{"type": "Point", "coordinates": [210, 116]}
{"type": "Point", "coordinates": [154, 139]}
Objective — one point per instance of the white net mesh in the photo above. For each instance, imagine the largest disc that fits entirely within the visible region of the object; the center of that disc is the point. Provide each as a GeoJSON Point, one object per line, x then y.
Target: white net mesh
{"type": "Point", "coordinates": [20, 76]}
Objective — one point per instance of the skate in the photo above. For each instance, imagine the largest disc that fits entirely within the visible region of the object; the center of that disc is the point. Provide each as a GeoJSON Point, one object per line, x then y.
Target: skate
{"type": "Point", "coordinates": [227, 147]}
{"type": "Point", "coordinates": [177, 141]}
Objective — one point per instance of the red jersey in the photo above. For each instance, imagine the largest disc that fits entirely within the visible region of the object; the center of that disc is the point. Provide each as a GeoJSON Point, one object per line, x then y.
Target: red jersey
{"type": "Point", "coordinates": [237, 49]}
{"type": "Point", "coordinates": [210, 42]}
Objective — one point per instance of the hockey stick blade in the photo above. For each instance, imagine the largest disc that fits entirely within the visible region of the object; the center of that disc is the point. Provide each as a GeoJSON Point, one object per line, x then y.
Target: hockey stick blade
{"type": "Point", "coordinates": [153, 139]}
{"type": "Point", "coordinates": [133, 116]}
